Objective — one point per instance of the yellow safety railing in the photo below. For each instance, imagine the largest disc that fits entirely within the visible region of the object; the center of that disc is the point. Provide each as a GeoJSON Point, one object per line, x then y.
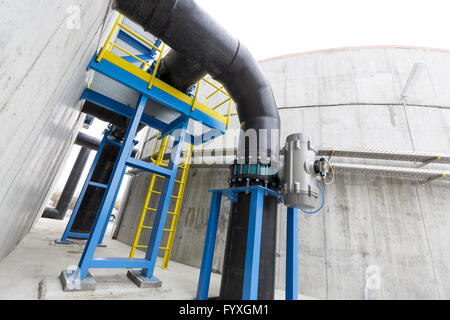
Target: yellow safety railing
{"type": "Point", "coordinates": [105, 53]}
{"type": "Point", "coordinates": [109, 44]}
{"type": "Point", "coordinates": [218, 90]}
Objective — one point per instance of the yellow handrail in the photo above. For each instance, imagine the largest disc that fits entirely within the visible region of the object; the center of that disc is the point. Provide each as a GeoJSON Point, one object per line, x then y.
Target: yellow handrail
{"type": "Point", "coordinates": [222, 104]}
{"type": "Point", "coordinates": [108, 41]}
{"type": "Point", "coordinates": [156, 67]}
{"type": "Point", "coordinates": [219, 89]}
{"type": "Point", "coordinates": [141, 38]}
{"type": "Point", "coordinates": [130, 54]}
{"type": "Point", "coordinates": [109, 44]}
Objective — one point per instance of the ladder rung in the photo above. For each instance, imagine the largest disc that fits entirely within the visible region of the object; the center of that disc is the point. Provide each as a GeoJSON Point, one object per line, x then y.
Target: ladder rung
{"type": "Point", "coordinates": [167, 230]}
{"type": "Point", "coordinates": [176, 197]}
{"type": "Point", "coordinates": [98, 185]}
{"type": "Point", "coordinates": [157, 192]}
{"type": "Point", "coordinates": [152, 209]}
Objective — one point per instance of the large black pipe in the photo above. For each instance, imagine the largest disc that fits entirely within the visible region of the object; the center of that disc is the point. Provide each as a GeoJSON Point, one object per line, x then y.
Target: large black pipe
{"type": "Point", "coordinates": [66, 197]}
{"type": "Point", "coordinates": [87, 144]}
{"type": "Point", "coordinates": [201, 46]}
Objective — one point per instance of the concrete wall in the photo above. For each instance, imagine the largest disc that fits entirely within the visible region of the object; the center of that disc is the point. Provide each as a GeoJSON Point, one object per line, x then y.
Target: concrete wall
{"type": "Point", "coordinates": [393, 228]}
{"type": "Point", "coordinates": [44, 53]}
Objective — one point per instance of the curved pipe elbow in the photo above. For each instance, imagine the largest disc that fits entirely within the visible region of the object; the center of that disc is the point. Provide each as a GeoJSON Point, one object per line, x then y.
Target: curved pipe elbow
{"type": "Point", "coordinates": [200, 46]}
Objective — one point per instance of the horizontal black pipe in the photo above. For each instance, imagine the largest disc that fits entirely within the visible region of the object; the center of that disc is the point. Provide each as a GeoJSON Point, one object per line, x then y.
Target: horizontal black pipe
{"type": "Point", "coordinates": [87, 141]}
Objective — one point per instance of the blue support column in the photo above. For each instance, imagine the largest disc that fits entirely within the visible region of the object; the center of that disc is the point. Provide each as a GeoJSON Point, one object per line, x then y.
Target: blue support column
{"type": "Point", "coordinates": [164, 202]}
{"type": "Point", "coordinates": [100, 241]}
{"type": "Point", "coordinates": [208, 250]}
{"type": "Point", "coordinates": [67, 232]}
{"type": "Point", "coordinates": [292, 254]}
{"type": "Point", "coordinates": [252, 255]}
{"type": "Point", "coordinates": [111, 192]}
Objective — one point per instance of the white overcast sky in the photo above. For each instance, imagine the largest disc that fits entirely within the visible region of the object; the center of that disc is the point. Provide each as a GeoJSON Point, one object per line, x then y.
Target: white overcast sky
{"type": "Point", "coordinates": [279, 27]}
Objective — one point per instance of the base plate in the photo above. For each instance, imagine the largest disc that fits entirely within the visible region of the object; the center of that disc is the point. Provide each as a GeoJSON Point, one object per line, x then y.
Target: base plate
{"type": "Point", "coordinates": [143, 282]}
{"type": "Point", "coordinates": [71, 281]}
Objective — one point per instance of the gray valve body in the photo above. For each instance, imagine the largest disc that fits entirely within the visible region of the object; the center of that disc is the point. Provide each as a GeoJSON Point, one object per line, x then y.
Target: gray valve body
{"type": "Point", "coordinates": [299, 182]}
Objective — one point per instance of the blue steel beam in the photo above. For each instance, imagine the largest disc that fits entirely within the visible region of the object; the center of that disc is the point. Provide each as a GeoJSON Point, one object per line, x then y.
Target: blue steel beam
{"type": "Point", "coordinates": [149, 53]}
{"type": "Point", "coordinates": [119, 263]}
{"type": "Point", "coordinates": [148, 167]}
{"type": "Point", "coordinates": [163, 205]}
{"type": "Point", "coordinates": [253, 250]}
{"type": "Point", "coordinates": [177, 124]}
{"type": "Point", "coordinates": [292, 254]}
{"type": "Point", "coordinates": [208, 249]}
{"type": "Point", "coordinates": [110, 194]}
{"type": "Point", "coordinates": [117, 107]}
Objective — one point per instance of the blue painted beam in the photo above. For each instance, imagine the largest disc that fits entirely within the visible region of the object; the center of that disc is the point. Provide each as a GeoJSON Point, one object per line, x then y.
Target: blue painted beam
{"type": "Point", "coordinates": [148, 52]}
{"type": "Point", "coordinates": [115, 106]}
{"type": "Point", "coordinates": [292, 254]}
{"type": "Point", "coordinates": [253, 250]}
{"type": "Point", "coordinates": [177, 124]}
{"type": "Point", "coordinates": [110, 195]}
{"type": "Point", "coordinates": [148, 167]}
{"type": "Point", "coordinates": [208, 249]}
{"type": "Point", "coordinates": [118, 263]}
{"type": "Point", "coordinates": [77, 235]}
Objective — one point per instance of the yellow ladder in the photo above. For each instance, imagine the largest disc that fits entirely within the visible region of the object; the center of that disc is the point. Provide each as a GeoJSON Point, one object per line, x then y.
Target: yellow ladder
{"type": "Point", "coordinates": [158, 159]}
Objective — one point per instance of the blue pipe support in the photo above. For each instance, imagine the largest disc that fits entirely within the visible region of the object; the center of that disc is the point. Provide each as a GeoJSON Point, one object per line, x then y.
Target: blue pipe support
{"type": "Point", "coordinates": [250, 290]}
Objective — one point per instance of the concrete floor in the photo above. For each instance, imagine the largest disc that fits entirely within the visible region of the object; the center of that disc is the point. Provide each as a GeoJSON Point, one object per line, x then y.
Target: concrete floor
{"type": "Point", "coordinates": [31, 271]}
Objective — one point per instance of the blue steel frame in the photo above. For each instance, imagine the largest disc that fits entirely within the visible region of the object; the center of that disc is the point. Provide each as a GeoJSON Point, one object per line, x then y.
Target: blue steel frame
{"type": "Point", "coordinates": [177, 129]}
{"type": "Point", "coordinates": [252, 255]}
{"type": "Point", "coordinates": [111, 190]}
{"type": "Point", "coordinates": [124, 77]}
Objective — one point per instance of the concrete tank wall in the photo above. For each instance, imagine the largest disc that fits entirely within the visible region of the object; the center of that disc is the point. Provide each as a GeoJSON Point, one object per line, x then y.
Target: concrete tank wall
{"type": "Point", "coordinates": [45, 47]}
{"type": "Point", "coordinates": [371, 228]}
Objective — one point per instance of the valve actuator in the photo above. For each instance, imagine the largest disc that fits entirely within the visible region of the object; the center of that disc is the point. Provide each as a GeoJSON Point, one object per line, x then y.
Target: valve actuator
{"type": "Point", "coordinates": [300, 171]}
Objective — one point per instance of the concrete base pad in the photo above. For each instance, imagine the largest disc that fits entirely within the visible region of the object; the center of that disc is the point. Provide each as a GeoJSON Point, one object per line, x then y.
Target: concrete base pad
{"type": "Point", "coordinates": [141, 281]}
{"type": "Point", "coordinates": [71, 282]}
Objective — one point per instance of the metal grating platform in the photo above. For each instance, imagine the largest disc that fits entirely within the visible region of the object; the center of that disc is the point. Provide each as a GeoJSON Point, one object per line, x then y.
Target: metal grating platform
{"type": "Point", "coordinates": [386, 155]}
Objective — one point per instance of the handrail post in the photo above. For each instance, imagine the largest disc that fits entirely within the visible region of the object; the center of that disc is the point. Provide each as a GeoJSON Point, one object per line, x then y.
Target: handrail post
{"type": "Point", "coordinates": [196, 95]}
{"type": "Point", "coordinates": [102, 52]}
{"type": "Point", "coordinates": [157, 66]}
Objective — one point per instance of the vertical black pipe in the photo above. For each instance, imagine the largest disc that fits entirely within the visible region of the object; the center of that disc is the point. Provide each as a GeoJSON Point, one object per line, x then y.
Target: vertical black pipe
{"type": "Point", "coordinates": [66, 197]}
{"type": "Point", "coordinates": [234, 260]}
{"type": "Point", "coordinates": [195, 36]}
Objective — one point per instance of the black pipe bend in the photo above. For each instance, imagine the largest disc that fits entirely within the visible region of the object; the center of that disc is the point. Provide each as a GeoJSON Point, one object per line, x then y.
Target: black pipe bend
{"type": "Point", "coordinates": [200, 46]}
